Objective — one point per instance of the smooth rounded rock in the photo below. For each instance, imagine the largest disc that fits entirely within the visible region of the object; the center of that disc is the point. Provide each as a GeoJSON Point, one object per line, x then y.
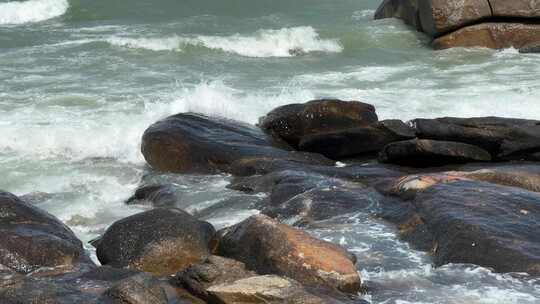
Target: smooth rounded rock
{"type": "Point", "coordinates": [160, 241]}
{"type": "Point", "coordinates": [269, 247]}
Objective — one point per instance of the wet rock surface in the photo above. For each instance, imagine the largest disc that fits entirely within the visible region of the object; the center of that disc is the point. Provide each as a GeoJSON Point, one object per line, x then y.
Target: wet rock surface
{"type": "Point", "coordinates": [461, 220]}
{"type": "Point", "coordinates": [268, 247]}
{"type": "Point", "coordinates": [160, 241]}
{"type": "Point", "coordinates": [192, 143]}
{"type": "Point", "coordinates": [428, 153]}
{"type": "Point", "coordinates": [33, 239]}
{"type": "Point", "coordinates": [138, 289]}
{"type": "Point", "coordinates": [294, 121]}
{"type": "Point", "coordinates": [357, 141]}
{"type": "Point", "coordinates": [472, 23]}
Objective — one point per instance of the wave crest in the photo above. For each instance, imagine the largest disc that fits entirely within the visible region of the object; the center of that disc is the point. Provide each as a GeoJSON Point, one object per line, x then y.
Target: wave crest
{"type": "Point", "coordinates": [285, 42]}
{"type": "Point", "coordinates": [17, 12]}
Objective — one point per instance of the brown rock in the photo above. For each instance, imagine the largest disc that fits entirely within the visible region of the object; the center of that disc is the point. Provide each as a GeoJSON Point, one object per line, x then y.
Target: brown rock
{"type": "Point", "coordinates": [32, 239]}
{"type": "Point", "coordinates": [442, 16]}
{"type": "Point", "coordinates": [192, 143]}
{"type": "Point", "coordinates": [291, 122]}
{"type": "Point", "coordinates": [263, 289]}
{"type": "Point", "coordinates": [138, 289]}
{"type": "Point", "coordinates": [269, 247]}
{"type": "Point", "coordinates": [516, 8]}
{"type": "Point", "coordinates": [495, 35]}
{"type": "Point", "coordinates": [214, 270]}
{"type": "Point", "coordinates": [160, 241]}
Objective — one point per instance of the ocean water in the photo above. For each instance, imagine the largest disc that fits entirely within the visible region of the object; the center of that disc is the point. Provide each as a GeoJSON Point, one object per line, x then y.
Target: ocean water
{"type": "Point", "coordinates": [80, 80]}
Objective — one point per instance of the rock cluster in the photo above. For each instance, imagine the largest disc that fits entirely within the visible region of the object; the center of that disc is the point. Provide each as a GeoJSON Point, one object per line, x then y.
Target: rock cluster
{"type": "Point", "coordinates": [467, 190]}
{"type": "Point", "coordinates": [457, 23]}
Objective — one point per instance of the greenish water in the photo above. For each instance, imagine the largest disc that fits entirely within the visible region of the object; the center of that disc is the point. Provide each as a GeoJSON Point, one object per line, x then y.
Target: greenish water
{"type": "Point", "coordinates": [81, 80]}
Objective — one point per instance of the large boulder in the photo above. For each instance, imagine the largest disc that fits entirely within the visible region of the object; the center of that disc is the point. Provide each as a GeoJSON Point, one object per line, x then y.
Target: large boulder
{"type": "Point", "coordinates": [467, 23]}
{"type": "Point", "coordinates": [460, 220]}
{"type": "Point", "coordinates": [428, 153]}
{"type": "Point", "coordinates": [192, 143]}
{"type": "Point", "coordinates": [269, 247]}
{"type": "Point", "coordinates": [294, 121]}
{"type": "Point", "coordinates": [357, 141]}
{"type": "Point", "coordinates": [162, 241]}
{"type": "Point", "coordinates": [503, 137]}
{"type": "Point", "coordinates": [495, 35]}
{"type": "Point", "coordinates": [33, 239]}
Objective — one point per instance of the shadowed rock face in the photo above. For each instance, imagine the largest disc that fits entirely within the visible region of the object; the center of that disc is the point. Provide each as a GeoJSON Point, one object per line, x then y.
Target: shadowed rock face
{"type": "Point", "coordinates": [192, 143]}
{"type": "Point", "coordinates": [138, 289]}
{"type": "Point", "coordinates": [32, 238]}
{"type": "Point", "coordinates": [357, 141]}
{"type": "Point", "coordinates": [465, 221]}
{"type": "Point", "coordinates": [269, 247]}
{"type": "Point", "coordinates": [160, 241]}
{"type": "Point", "coordinates": [427, 153]}
{"type": "Point", "coordinates": [501, 137]}
{"type": "Point", "coordinates": [469, 23]}
{"type": "Point", "coordinates": [292, 122]}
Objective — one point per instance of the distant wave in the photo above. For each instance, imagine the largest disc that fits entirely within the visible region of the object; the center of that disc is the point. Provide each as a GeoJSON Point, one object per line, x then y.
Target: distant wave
{"type": "Point", "coordinates": [285, 42]}
{"type": "Point", "coordinates": [18, 12]}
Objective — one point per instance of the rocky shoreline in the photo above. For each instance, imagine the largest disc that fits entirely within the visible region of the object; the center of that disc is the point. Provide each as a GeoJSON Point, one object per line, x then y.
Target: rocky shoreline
{"type": "Point", "coordinates": [493, 24]}
{"type": "Point", "coordinates": [466, 190]}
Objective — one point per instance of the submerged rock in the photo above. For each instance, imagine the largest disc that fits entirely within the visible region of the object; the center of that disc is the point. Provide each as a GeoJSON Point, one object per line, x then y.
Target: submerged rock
{"type": "Point", "coordinates": [160, 241]}
{"type": "Point", "coordinates": [294, 121]}
{"type": "Point", "coordinates": [428, 153]}
{"type": "Point", "coordinates": [33, 239]}
{"type": "Point", "coordinates": [268, 247]}
{"type": "Point", "coordinates": [465, 221]}
{"type": "Point", "coordinates": [192, 143]}
{"type": "Point", "coordinates": [156, 195]}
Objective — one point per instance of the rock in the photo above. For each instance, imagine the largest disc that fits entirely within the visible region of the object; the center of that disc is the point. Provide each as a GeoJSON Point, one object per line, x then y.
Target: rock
{"type": "Point", "coordinates": [357, 141]}
{"type": "Point", "coordinates": [33, 239]}
{"type": "Point", "coordinates": [138, 289]}
{"type": "Point", "coordinates": [294, 121]}
{"type": "Point", "coordinates": [495, 35]}
{"type": "Point", "coordinates": [269, 247]}
{"type": "Point", "coordinates": [160, 241]}
{"type": "Point", "coordinates": [213, 271]}
{"type": "Point", "coordinates": [504, 138]}
{"type": "Point", "coordinates": [192, 143]}
{"type": "Point", "coordinates": [428, 153]}
{"type": "Point", "coordinates": [474, 222]}
{"type": "Point", "coordinates": [406, 10]}
{"type": "Point", "coordinates": [156, 195]}
{"type": "Point", "coordinates": [300, 198]}
{"type": "Point", "coordinates": [263, 289]}
{"type": "Point", "coordinates": [530, 48]}
{"type": "Point", "coordinates": [469, 23]}
{"type": "Point", "coordinates": [442, 16]}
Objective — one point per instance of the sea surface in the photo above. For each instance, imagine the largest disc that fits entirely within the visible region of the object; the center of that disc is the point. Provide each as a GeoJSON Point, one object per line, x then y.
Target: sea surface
{"type": "Point", "coordinates": [80, 80]}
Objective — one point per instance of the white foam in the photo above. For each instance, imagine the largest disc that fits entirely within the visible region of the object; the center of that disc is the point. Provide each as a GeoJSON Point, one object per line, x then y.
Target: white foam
{"type": "Point", "coordinates": [285, 42]}
{"type": "Point", "coordinates": [154, 44]}
{"type": "Point", "coordinates": [19, 12]}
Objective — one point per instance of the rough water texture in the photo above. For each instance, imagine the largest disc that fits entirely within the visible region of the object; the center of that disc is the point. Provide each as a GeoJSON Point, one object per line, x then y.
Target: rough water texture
{"type": "Point", "coordinates": [81, 80]}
